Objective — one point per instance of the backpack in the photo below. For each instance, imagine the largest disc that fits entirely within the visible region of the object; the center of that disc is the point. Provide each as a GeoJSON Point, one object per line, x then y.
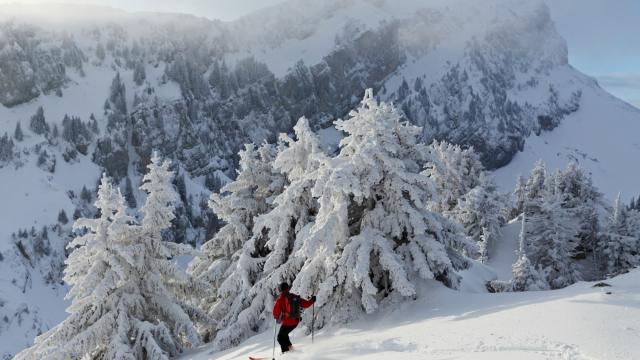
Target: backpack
{"type": "Point", "coordinates": [295, 310]}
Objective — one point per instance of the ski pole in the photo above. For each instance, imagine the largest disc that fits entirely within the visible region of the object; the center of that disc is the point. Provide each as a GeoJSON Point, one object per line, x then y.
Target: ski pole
{"type": "Point", "coordinates": [275, 327]}
{"type": "Point", "coordinates": [313, 319]}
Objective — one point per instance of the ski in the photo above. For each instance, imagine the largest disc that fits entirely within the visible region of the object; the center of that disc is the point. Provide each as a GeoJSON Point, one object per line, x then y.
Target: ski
{"type": "Point", "coordinates": [258, 358]}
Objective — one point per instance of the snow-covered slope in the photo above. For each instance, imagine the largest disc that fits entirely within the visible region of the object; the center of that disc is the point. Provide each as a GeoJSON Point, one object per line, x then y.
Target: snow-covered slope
{"type": "Point", "coordinates": [576, 323]}
{"type": "Point", "coordinates": [603, 136]}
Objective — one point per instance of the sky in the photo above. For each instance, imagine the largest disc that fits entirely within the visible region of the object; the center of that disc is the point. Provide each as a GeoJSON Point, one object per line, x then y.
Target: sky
{"type": "Point", "coordinates": [602, 35]}
{"type": "Point", "coordinates": [603, 41]}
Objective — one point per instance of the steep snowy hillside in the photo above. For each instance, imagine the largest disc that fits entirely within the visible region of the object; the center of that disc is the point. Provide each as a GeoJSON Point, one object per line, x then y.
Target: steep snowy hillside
{"type": "Point", "coordinates": [602, 136]}
{"type": "Point", "coordinates": [580, 322]}
{"type": "Point", "coordinates": [114, 86]}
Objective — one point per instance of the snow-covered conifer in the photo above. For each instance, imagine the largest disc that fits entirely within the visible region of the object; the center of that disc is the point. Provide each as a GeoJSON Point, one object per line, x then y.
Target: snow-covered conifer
{"type": "Point", "coordinates": [238, 203]}
{"type": "Point", "coordinates": [245, 295]}
{"type": "Point", "coordinates": [38, 124]}
{"type": "Point", "coordinates": [582, 200]}
{"type": "Point", "coordinates": [364, 232]}
{"type": "Point", "coordinates": [551, 236]}
{"type": "Point", "coordinates": [62, 217]}
{"type": "Point", "coordinates": [18, 134]}
{"type": "Point", "coordinates": [373, 220]}
{"type": "Point", "coordinates": [480, 213]}
{"type": "Point", "coordinates": [130, 299]}
{"type": "Point", "coordinates": [454, 172]}
{"type": "Point", "coordinates": [103, 290]}
{"type": "Point", "coordinates": [139, 73]}
{"type": "Point", "coordinates": [617, 245]}
{"type": "Point", "coordinates": [536, 184]}
{"type": "Point", "coordinates": [465, 193]}
{"type": "Point", "coordinates": [519, 195]}
{"type": "Point", "coordinates": [129, 195]}
{"type": "Point", "coordinates": [525, 275]}
{"type": "Point", "coordinates": [172, 294]}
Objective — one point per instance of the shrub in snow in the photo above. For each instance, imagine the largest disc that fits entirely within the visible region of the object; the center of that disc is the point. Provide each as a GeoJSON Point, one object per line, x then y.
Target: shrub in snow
{"type": "Point", "coordinates": [362, 234]}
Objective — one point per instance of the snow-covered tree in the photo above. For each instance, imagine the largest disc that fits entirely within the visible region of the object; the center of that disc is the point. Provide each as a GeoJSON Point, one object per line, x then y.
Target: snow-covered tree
{"type": "Point", "coordinates": [244, 297]}
{"type": "Point", "coordinates": [536, 185]}
{"type": "Point", "coordinates": [172, 294]}
{"type": "Point", "coordinates": [465, 193]}
{"type": "Point", "coordinates": [18, 134]}
{"type": "Point", "coordinates": [139, 73]}
{"type": "Point", "coordinates": [6, 148]}
{"type": "Point", "coordinates": [618, 248]}
{"type": "Point", "coordinates": [362, 234]}
{"type": "Point", "coordinates": [454, 172]}
{"type": "Point", "coordinates": [519, 195]}
{"type": "Point", "coordinates": [103, 290]}
{"type": "Point", "coordinates": [62, 217]}
{"type": "Point", "coordinates": [554, 209]}
{"type": "Point", "coordinates": [582, 200]}
{"type": "Point", "coordinates": [238, 203]}
{"type": "Point", "coordinates": [38, 124]}
{"type": "Point", "coordinates": [525, 276]}
{"type": "Point", "coordinates": [480, 213]}
{"type": "Point", "coordinates": [373, 222]}
{"type": "Point", "coordinates": [552, 239]}
{"type": "Point", "coordinates": [130, 299]}
{"type": "Point", "coordinates": [100, 52]}
{"type": "Point", "coordinates": [129, 195]}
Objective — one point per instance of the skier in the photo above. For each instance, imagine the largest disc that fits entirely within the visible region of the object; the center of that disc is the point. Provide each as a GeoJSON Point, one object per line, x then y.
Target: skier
{"type": "Point", "coordinates": [288, 311]}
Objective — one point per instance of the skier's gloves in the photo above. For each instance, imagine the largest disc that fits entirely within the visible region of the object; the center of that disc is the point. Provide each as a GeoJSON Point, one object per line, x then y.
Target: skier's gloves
{"type": "Point", "coordinates": [313, 298]}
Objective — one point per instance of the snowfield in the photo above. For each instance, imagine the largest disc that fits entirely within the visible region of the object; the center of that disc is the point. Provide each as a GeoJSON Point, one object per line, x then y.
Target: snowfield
{"type": "Point", "coordinates": [575, 323]}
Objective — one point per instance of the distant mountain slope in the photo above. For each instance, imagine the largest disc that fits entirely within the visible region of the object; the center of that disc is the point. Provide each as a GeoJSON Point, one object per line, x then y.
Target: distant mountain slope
{"type": "Point", "coordinates": [603, 136]}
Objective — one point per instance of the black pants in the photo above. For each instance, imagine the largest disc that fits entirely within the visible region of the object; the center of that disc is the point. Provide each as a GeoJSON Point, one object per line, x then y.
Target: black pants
{"type": "Point", "coordinates": [283, 337]}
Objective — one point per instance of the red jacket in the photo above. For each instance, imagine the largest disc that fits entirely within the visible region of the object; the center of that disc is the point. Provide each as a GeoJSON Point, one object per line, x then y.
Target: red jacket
{"type": "Point", "coordinates": [281, 308]}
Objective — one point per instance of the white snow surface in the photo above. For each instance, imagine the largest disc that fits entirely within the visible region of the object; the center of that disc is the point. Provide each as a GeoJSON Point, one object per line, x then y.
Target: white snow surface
{"type": "Point", "coordinates": [576, 323]}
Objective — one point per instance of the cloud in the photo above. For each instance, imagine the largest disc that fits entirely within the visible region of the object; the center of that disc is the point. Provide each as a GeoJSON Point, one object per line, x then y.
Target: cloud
{"type": "Point", "coordinates": [213, 9]}
{"type": "Point", "coordinates": [625, 86]}
{"type": "Point", "coordinates": [601, 34]}
{"type": "Point", "coordinates": [620, 80]}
